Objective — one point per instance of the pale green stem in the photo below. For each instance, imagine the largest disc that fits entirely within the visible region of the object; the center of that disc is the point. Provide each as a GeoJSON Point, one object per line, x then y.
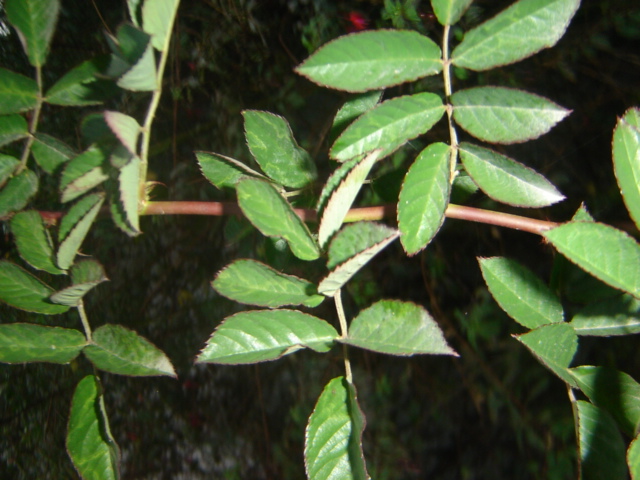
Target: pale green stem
{"type": "Point", "coordinates": [448, 90]}
{"type": "Point", "coordinates": [84, 320]}
{"type": "Point", "coordinates": [151, 112]}
{"type": "Point", "coordinates": [344, 332]}
{"type": "Point", "coordinates": [33, 125]}
{"type": "Point", "coordinates": [576, 422]}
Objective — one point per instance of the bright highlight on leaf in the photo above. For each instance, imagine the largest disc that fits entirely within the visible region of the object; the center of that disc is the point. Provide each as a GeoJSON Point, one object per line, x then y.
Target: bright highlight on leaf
{"type": "Point", "coordinates": [505, 115]}
{"type": "Point", "coordinates": [626, 160]}
{"type": "Point", "coordinates": [264, 335]}
{"type": "Point", "coordinates": [397, 328]}
{"type": "Point", "coordinates": [254, 283]}
{"type": "Point", "coordinates": [157, 20]}
{"type": "Point", "coordinates": [372, 60]}
{"type": "Point", "coordinates": [519, 31]}
{"type": "Point", "coordinates": [333, 438]}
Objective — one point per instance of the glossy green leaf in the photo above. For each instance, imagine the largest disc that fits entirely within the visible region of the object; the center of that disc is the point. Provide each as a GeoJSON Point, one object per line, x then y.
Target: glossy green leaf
{"type": "Point", "coordinates": [82, 85]}
{"type": "Point", "coordinates": [619, 315]}
{"type": "Point", "coordinates": [157, 20]}
{"type": "Point", "coordinates": [524, 28]}
{"type": "Point", "coordinates": [270, 213]}
{"type": "Point", "coordinates": [85, 275]}
{"type": "Point", "coordinates": [74, 226]}
{"type": "Point", "coordinates": [35, 21]}
{"type": "Point", "coordinates": [389, 126]}
{"type": "Point", "coordinates": [505, 115]}
{"type": "Point", "coordinates": [601, 447]}
{"type": "Point", "coordinates": [448, 12]}
{"type": "Point", "coordinates": [352, 109]}
{"type": "Point", "coordinates": [264, 335]}
{"type": "Point", "coordinates": [613, 391]}
{"type": "Point", "coordinates": [33, 241]}
{"type": "Point", "coordinates": [554, 345]}
{"type": "Point", "coordinates": [129, 195]}
{"type": "Point", "coordinates": [397, 328]}
{"type": "Point", "coordinates": [341, 199]}
{"type": "Point", "coordinates": [520, 293]}
{"type": "Point", "coordinates": [617, 261]}
{"type": "Point", "coordinates": [8, 165]}
{"type": "Point", "coordinates": [133, 61]}
{"type": "Point", "coordinates": [254, 283]}
{"type": "Point", "coordinates": [22, 290]}
{"type": "Point", "coordinates": [505, 180]}
{"type": "Point", "coordinates": [125, 128]}
{"type": "Point", "coordinates": [50, 153]}
{"type": "Point", "coordinates": [116, 349]}
{"type": "Point", "coordinates": [25, 342]}
{"type": "Point", "coordinates": [272, 144]}
{"type": "Point", "coordinates": [83, 173]}
{"type": "Point", "coordinates": [333, 182]}
{"type": "Point", "coordinates": [92, 449]}
{"type": "Point", "coordinates": [424, 197]}
{"type": "Point", "coordinates": [633, 458]}
{"type": "Point", "coordinates": [223, 171]}
{"type": "Point", "coordinates": [352, 265]}
{"type": "Point", "coordinates": [333, 437]}
{"type": "Point", "coordinates": [17, 92]}
{"type": "Point", "coordinates": [372, 60]}
{"type": "Point", "coordinates": [17, 192]}
{"type": "Point", "coordinates": [356, 238]}
{"type": "Point", "coordinates": [12, 127]}
{"type": "Point", "coordinates": [626, 160]}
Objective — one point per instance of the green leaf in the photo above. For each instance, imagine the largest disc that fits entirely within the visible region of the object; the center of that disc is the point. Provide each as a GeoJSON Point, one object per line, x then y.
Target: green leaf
{"type": "Point", "coordinates": [133, 61]}
{"type": "Point", "coordinates": [397, 328]}
{"type": "Point", "coordinates": [626, 160]}
{"type": "Point", "coordinates": [12, 127]}
{"type": "Point", "coordinates": [520, 293]}
{"type": "Point", "coordinates": [602, 449]}
{"type": "Point", "coordinates": [341, 199]}
{"type": "Point", "coordinates": [448, 12]}
{"type": "Point", "coordinates": [554, 345]}
{"type": "Point", "coordinates": [613, 391]}
{"type": "Point", "coordinates": [128, 195]}
{"type": "Point", "coordinates": [22, 290]}
{"type": "Point", "coordinates": [333, 437]}
{"type": "Point", "coordinates": [157, 20]}
{"type": "Point", "coordinates": [33, 241]}
{"type": "Point", "coordinates": [617, 261]}
{"type": "Point", "coordinates": [424, 197]}
{"type": "Point", "coordinates": [92, 449]}
{"type": "Point", "coordinates": [116, 349]}
{"type": "Point", "coordinates": [619, 315]}
{"type": "Point", "coordinates": [352, 109]}
{"type": "Point", "coordinates": [356, 238]}
{"type": "Point", "coordinates": [8, 165]}
{"type": "Point", "coordinates": [74, 226]}
{"type": "Point", "coordinates": [25, 342]}
{"type": "Point", "coordinates": [83, 173]}
{"type": "Point", "coordinates": [505, 180]}
{"type": "Point", "coordinates": [524, 28]}
{"type": "Point", "coordinates": [372, 60]}
{"type": "Point", "coordinates": [35, 21]}
{"type": "Point", "coordinates": [17, 92]}
{"type": "Point", "coordinates": [270, 213]}
{"type": "Point", "coordinates": [82, 85]}
{"type": "Point", "coordinates": [17, 192]}
{"type": "Point", "coordinates": [254, 283]}
{"type": "Point", "coordinates": [125, 128]}
{"type": "Point", "coordinates": [389, 126]}
{"type": "Point", "coordinates": [135, 11]}
{"type": "Point", "coordinates": [505, 115]}
{"type": "Point", "coordinates": [223, 171]}
{"type": "Point", "coordinates": [264, 335]}
{"type": "Point", "coordinates": [50, 152]}
{"type": "Point", "coordinates": [633, 458]}
{"type": "Point", "coordinates": [343, 272]}
{"type": "Point", "coordinates": [85, 275]}
{"type": "Point", "coordinates": [272, 144]}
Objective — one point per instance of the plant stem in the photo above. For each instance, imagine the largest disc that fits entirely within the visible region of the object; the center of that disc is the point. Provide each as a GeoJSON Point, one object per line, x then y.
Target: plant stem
{"type": "Point", "coordinates": [84, 320]}
{"type": "Point", "coordinates": [343, 332]}
{"type": "Point", "coordinates": [448, 90]}
{"type": "Point", "coordinates": [33, 124]}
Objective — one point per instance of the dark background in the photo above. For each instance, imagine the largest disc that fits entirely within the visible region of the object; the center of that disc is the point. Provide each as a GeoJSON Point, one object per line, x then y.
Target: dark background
{"type": "Point", "coordinates": [494, 412]}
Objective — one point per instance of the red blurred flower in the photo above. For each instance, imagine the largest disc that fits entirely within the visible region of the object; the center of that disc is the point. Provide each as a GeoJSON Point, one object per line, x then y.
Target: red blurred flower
{"type": "Point", "coordinates": [357, 22]}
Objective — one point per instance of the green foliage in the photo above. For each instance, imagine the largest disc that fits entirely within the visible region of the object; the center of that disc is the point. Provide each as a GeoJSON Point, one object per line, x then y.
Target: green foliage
{"type": "Point", "coordinates": [366, 136]}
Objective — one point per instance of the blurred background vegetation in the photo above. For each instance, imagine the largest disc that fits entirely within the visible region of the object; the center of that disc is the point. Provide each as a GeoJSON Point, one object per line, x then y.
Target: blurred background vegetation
{"type": "Point", "coordinates": [494, 412]}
